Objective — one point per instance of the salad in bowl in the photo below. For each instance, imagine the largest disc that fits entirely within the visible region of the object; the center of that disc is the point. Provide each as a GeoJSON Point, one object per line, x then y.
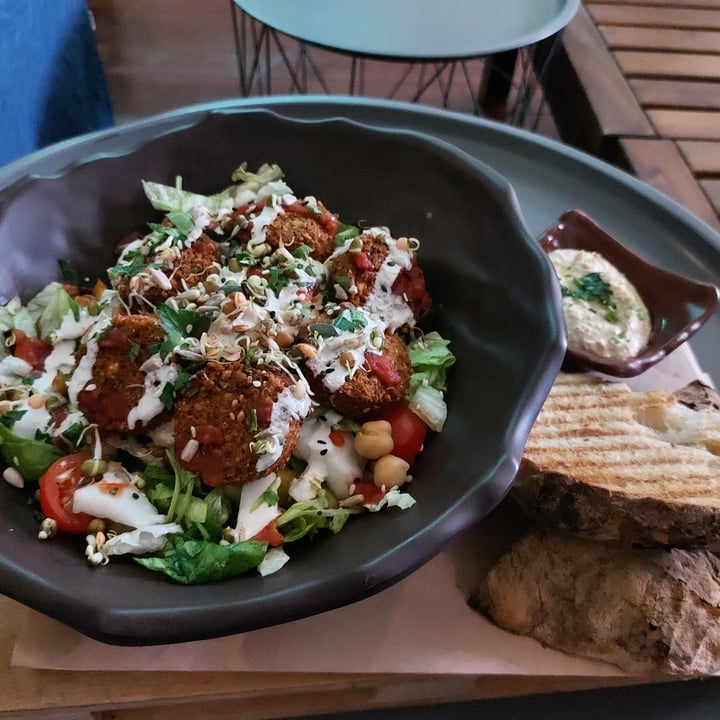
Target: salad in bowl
{"type": "Point", "coordinates": [251, 371]}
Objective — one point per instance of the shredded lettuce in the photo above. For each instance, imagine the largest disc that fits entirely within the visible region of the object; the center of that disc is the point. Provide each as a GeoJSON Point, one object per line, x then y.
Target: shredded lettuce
{"type": "Point", "coordinates": [393, 498]}
{"type": "Point", "coordinates": [15, 316]}
{"type": "Point", "coordinates": [254, 181]}
{"type": "Point", "coordinates": [274, 560]}
{"type": "Point", "coordinates": [306, 518]}
{"type": "Point", "coordinates": [147, 539]}
{"type": "Point", "coordinates": [430, 357]}
{"type": "Point", "coordinates": [169, 198]}
{"type": "Point", "coordinates": [50, 306]}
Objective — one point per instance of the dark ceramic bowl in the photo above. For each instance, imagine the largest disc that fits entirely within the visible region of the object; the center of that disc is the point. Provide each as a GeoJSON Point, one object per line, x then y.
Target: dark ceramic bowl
{"type": "Point", "coordinates": [495, 299]}
{"type": "Point", "coordinates": [678, 306]}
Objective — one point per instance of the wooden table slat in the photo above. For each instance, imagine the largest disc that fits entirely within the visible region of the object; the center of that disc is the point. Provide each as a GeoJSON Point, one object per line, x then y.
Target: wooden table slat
{"type": "Point", "coordinates": [648, 16]}
{"type": "Point", "coordinates": [587, 92]}
{"type": "Point", "coordinates": [703, 156]}
{"type": "Point", "coordinates": [660, 163]}
{"type": "Point", "coordinates": [666, 58]}
{"type": "Point", "coordinates": [699, 4]}
{"type": "Point", "coordinates": [676, 94]}
{"type": "Point", "coordinates": [712, 190]}
{"type": "Point", "coordinates": [627, 37]}
{"type": "Point", "coordinates": [686, 124]}
{"type": "Point", "coordinates": [669, 65]}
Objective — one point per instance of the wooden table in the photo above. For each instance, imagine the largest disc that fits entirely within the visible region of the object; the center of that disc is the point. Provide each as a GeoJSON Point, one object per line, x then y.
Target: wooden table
{"type": "Point", "coordinates": [547, 179]}
{"type": "Point", "coordinates": [637, 83]}
{"type": "Point", "coordinates": [36, 694]}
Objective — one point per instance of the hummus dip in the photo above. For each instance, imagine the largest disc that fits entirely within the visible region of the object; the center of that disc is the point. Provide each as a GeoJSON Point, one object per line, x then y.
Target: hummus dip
{"type": "Point", "coordinates": [604, 312]}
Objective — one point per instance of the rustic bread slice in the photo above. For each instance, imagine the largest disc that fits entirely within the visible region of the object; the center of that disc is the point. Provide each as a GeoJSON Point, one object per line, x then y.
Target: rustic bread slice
{"type": "Point", "coordinates": [612, 464]}
{"type": "Point", "coordinates": [648, 611]}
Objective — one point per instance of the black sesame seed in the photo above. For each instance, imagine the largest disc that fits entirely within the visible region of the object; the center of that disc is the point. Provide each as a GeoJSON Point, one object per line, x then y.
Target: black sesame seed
{"type": "Point", "coordinates": [135, 496]}
{"type": "Point", "coordinates": [322, 442]}
{"type": "Point", "coordinates": [324, 451]}
{"type": "Point", "coordinates": [383, 287]}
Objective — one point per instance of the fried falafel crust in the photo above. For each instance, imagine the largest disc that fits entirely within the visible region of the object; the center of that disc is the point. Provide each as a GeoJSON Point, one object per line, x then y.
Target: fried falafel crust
{"type": "Point", "coordinates": [192, 266]}
{"type": "Point", "coordinates": [229, 405]}
{"type": "Point", "coordinates": [291, 230]}
{"type": "Point", "coordinates": [366, 391]}
{"type": "Point", "coordinates": [362, 268]}
{"type": "Point", "coordinates": [117, 383]}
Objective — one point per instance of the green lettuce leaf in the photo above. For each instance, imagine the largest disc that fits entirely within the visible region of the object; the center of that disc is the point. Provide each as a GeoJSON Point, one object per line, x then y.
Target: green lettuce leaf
{"type": "Point", "coordinates": [50, 306]}
{"type": "Point", "coordinates": [170, 198]}
{"type": "Point", "coordinates": [192, 562]}
{"type": "Point", "coordinates": [174, 199]}
{"type": "Point", "coordinates": [430, 357]}
{"type": "Point", "coordinates": [307, 518]}
{"type": "Point", "coordinates": [15, 316]}
{"type": "Point", "coordinates": [31, 458]}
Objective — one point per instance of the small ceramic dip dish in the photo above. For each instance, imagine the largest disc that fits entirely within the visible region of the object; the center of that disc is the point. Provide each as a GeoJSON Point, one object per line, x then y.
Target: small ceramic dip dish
{"type": "Point", "coordinates": [623, 314]}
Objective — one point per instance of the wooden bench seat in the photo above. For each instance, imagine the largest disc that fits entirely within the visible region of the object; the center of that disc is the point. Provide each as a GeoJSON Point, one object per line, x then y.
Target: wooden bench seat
{"type": "Point", "coordinates": [637, 83]}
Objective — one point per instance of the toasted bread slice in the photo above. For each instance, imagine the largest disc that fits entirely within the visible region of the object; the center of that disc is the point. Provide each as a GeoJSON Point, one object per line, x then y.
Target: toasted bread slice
{"type": "Point", "coordinates": [647, 610]}
{"type": "Point", "coordinates": [612, 464]}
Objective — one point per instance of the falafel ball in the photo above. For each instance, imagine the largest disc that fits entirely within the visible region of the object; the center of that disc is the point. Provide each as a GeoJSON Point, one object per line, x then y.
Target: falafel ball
{"type": "Point", "coordinates": [191, 266]}
{"type": "Point", "coordinates": [292, 229]}
{"type": "Point", "coordinates": [238, 423]}
{"type": "Point", "coordinates": [382, 379]}
{"type": "Point", "coordinates": [117, 383]}
{"type": "Point", "coordinates": [361, 271]}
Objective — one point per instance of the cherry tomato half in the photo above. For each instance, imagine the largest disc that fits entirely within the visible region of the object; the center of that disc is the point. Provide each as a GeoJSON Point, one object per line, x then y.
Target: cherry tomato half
{"type": "Point", "coordinates": [408, 430]}
{"type": "Point", "coordinates": [57, 488]}
{"type": "Point", "coordinates": [271, 535]}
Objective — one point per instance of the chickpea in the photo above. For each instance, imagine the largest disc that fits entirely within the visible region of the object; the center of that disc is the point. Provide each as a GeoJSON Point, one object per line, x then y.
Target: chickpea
{"type": "Point", "coordinates": [284, 339]}
{"type": "Point", "coordinates": [347, 360]}
{"type": "Point", "coordinates": [374, 439]}
{"type": "Point", "coordinates": [307, 350]}
{"type": "Point", "coordinates": [390, 471]}
{"type": "Point", "coordinates": [36, 401]}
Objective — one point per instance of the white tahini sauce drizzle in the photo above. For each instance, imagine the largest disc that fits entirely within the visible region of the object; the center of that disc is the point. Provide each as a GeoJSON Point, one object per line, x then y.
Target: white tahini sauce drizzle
{"type": "Point", "coordinates": [286, 408]}
{"type": "Point", "coordinates": [383, 303]}
{"type": "Point", "coordinates": [337, 465]}
{"type": "Point", "coordinates": [157, 375]}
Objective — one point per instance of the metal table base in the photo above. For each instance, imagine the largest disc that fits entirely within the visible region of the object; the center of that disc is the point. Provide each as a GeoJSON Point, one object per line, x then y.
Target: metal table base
{"type": "Point", "coordinates": [272, 62]}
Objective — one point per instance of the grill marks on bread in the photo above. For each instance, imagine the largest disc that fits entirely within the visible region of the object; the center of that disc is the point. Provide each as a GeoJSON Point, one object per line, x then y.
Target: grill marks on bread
{"type": "Point", "coordinates": [598, 462]}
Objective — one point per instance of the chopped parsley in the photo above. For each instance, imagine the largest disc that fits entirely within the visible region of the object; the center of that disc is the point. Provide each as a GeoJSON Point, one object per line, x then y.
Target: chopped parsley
{"type": "Point", "coordinates": [302, 252]}
{"type": "Point", "coordinates": [181, 384]}
{"type": "Point", "coordinates": [132, 264]}
{"type": "Point", "coordinates": [345, 233]}
{"type": "Point", "coordinates": [350, 320]}
{"type": "Point", "coordinates": [593, 288]}
{"type": "Point", "coordinates": [178, 325]}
